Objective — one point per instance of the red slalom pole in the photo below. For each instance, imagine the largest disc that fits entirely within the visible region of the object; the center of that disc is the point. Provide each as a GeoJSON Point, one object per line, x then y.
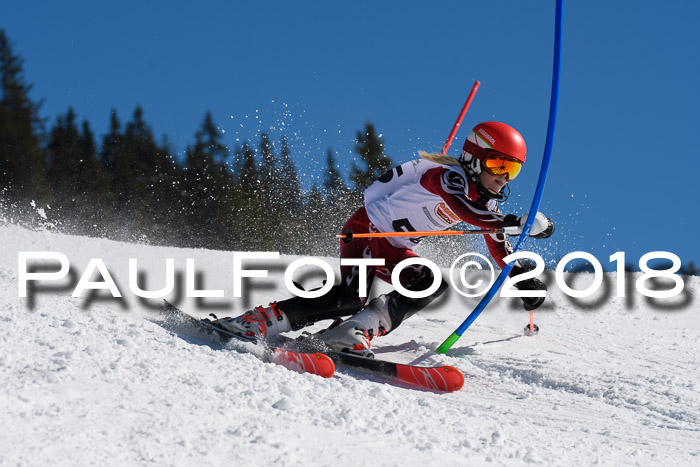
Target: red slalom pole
{"type": "Point", "coordinates": [468, 102]}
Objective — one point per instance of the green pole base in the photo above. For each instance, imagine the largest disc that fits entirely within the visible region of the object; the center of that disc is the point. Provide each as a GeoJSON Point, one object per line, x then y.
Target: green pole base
{"type": "Point", "coordinates": [449, 342]}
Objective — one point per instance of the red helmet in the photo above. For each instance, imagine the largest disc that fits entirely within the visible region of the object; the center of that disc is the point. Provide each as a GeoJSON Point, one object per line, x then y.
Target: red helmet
{"type": "Point", "coordinates": [498, 137]}
{"type": "Point", "coordinates": [496, 147]}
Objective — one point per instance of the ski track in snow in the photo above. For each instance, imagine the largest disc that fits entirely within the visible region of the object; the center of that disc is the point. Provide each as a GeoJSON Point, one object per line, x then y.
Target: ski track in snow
{"type": "Point", "coordinates": [100, 382]}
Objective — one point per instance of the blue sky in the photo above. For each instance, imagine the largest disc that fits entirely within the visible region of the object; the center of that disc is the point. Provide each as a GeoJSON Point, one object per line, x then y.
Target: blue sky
{"type": "Point", "coordinates": [622, 175]}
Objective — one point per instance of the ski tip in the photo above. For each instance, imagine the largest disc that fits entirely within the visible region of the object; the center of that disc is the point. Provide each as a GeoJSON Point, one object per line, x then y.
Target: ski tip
{"type": "Point", "coordinates": [325, 365]}
{"type": "Point", "coordinates": [455, 378]}
{"type": "Point", "coordinates": [444, 378]}
{"type": "Point", "coordinates": [314, 363]}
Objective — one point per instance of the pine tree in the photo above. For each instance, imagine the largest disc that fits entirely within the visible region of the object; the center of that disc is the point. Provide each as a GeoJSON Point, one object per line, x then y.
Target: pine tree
{"type": "Point", "coordinates": [114, 161]}
{"type": "Point", "coordinates": [370, 148]}
{"type": "Point", "coordinates": [22, 169]}
{"type": "Point", "coordinates": [94, 185]}
{"type": "Point", "coordinates": [208, 186]}
{"type": "Point", "coordinates": [64, 156]}
{"type": "Point", "coordinates": [80, 187]}
{"type": "Point", "coordinates": [320, 224]}
{"type": "Point", "coordinates": [289, 182]}
{"type": "Point", "coordinates": [247, 226]}
{"type": "Point", "coordinates": [332, 181]}
{"type": "Point", "coordinates": [269, 173]}
{"type": "Point", "coordinates": [271, 191]}
{"type": "Point", "coordinates": [340, 204]}
{"type": "Point", "coordinates": [112, 145]}
{"type": "Point", "coordinates": [144, 181]}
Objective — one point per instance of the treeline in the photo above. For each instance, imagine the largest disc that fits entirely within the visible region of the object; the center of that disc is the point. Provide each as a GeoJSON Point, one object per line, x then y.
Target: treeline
{"type": "Point", "coordinates": [128, 186]}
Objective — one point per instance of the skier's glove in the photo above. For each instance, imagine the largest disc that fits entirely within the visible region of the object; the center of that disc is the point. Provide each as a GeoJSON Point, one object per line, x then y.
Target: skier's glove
{"type": "Point", "coordinates": [543, 227]}
{"type": "Point", "coordinates": [530, 303]}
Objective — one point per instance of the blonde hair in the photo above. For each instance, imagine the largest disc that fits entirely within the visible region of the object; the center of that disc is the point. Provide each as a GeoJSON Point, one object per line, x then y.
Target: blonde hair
{"type": "Point", "coordinates": [439, 158]}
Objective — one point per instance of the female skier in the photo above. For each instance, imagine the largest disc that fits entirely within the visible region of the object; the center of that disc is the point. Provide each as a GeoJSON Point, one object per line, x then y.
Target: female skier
{"type": "Point", "coordinates": [432, 193]}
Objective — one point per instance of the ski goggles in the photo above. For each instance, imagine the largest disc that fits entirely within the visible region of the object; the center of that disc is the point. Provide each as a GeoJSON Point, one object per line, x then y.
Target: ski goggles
{"type": "Point", "coordinates": [499, 164]}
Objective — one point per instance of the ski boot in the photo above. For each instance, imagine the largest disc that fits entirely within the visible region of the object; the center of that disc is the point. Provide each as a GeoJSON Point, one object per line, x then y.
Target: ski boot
{"type": "Point", "coordinates": [354, 334]}
{"type": "Point", "coordinates": [348, 336]}
{"type": "Point", "coordinates": [256, 324]}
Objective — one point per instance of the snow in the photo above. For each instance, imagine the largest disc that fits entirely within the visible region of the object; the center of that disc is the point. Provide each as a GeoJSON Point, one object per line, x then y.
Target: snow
{"type": "Point", "coordinates": [97, 380]}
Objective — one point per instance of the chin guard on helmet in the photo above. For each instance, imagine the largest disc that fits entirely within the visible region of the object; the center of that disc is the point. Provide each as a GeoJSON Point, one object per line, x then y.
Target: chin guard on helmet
{"type": "Point", "coordinates": [471, 164]}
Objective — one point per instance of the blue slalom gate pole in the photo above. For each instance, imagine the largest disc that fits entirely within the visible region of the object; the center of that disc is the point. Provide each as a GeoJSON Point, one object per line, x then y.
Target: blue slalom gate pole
{"type": "Point", "coordinates": [449, 342]}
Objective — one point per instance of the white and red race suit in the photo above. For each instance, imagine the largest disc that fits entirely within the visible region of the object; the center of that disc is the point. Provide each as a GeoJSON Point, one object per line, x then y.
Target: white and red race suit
{"type": "Point", "coordinates": [414, 196]}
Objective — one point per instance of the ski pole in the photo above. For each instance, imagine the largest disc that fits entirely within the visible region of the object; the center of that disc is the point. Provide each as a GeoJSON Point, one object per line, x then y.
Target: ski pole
{"type": "Point", "coordinates": [348, 235]}
{"type": "Point", "coordinates": [467, 103]}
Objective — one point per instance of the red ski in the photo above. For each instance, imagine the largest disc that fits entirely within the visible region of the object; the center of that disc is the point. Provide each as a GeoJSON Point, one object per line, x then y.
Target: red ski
{"type": "Point", "coordinates": [442, 378]}
{"type": "Point", "coordinates": [315, 363]}
{"type": "Point", "coordinates": [437, 378]}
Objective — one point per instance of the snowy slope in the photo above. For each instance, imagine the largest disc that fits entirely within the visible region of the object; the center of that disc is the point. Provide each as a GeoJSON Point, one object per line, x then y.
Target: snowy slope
{"type": "Point", "coordinates": [607, 381]}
